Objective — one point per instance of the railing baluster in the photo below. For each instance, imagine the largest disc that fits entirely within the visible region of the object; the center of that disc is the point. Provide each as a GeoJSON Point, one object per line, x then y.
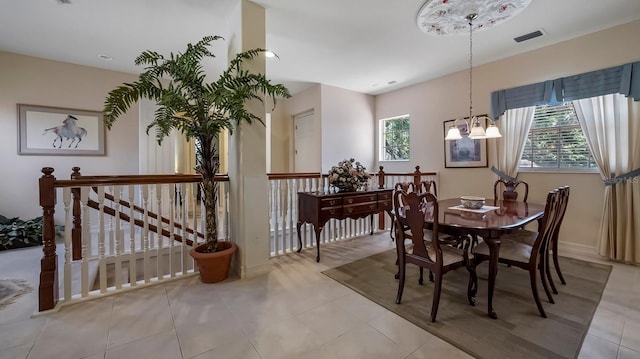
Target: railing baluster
{"type": "Point", "coordinates": [133, 271]}
{"type": "Point", "coordinates": [102, 263]}
{"type": "Point", "coordinates": [172, 204]}
{"type": "Point", "coordinates": [145, 233]}
{"type": "Point", "coordinates": [86, 242]}
{"type": "Point", "coordinates": [159, 226]}
{"type": "Point", "coordinates": [117, 195]}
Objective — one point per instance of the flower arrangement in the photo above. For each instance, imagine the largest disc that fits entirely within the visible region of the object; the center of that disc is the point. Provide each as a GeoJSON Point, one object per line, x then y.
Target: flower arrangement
{"type": "Point", "coordinates": [347, 177]}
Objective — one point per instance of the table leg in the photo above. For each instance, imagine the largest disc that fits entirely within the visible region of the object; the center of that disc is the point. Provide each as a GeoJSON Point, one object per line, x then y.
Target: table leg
{"type": "Point", "coordinates": [299, 238]}
{"type": "Point", "coordinates": [494, 250]}
{"type": "Point", "coordinates": [318, 230]}
{"type": "Point", "coordinates": [371, 224]}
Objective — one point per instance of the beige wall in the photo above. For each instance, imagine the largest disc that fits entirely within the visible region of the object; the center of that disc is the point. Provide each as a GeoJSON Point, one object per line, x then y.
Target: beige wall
{"type": "Point", "coordinates": [28, 80]}
{"type": "Point", "coordinates": [433, 102]}
{"type": "Point", "coordinates": [347, 124]}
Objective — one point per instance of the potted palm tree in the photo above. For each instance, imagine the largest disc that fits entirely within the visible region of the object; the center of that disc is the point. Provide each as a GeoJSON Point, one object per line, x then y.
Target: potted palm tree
{"type": "Point", "coordinates": [200, 110]}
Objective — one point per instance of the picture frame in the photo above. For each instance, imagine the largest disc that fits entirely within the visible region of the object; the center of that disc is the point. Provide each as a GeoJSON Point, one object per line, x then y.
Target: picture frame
{"type": "Point", "coordinates": [465, 153]}
{"type": "Point", "coordinates": [56, 131]}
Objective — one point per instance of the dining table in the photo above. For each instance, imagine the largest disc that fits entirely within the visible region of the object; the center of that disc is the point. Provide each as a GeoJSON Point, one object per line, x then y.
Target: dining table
{"type": "Point", "coordinates": [495, 218]}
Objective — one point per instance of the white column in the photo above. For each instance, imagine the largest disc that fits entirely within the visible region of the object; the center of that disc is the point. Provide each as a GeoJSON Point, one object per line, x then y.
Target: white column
{"type": "Point", "coordinates": [247, 156]}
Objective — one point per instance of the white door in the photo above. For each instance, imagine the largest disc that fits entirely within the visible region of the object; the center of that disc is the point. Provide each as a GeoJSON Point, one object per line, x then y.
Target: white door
{"type": "Point", "coordinates": [307, 151]}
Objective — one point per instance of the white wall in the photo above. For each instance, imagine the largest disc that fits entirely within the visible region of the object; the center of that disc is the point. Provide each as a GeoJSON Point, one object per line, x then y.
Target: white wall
{"type": "Point", "coordinates": [430, 103]}
{"type": "Point", "coordinates": [347, 124]}
{"type": "Point", "coordinates": [29, 80]}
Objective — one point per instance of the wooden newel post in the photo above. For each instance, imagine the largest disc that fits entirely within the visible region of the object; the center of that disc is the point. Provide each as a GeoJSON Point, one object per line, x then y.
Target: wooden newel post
{"type": "Point", "coordinates": [417, 175]}
{"type": "Point", "coordinates": [381, 178]}
{"type": "Point", "coordinates": [381, 185]}
{"type": "Point", "coordinates": [48, 289]}
{"type": "Point", "coordinates": [76, 231]}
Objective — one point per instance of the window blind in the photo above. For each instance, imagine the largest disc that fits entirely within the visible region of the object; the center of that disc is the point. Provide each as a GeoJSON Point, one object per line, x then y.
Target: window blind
{"type": "Point", "coordinates": [556, 140]}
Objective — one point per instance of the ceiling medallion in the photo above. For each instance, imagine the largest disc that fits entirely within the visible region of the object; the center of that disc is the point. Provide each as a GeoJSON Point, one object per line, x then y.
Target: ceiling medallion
{"type": "Point", "coordinates": [441, 17]}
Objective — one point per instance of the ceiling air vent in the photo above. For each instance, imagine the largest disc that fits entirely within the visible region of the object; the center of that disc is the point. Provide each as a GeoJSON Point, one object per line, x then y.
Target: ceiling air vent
{"type": "Point", "coordinates": [529, 36]}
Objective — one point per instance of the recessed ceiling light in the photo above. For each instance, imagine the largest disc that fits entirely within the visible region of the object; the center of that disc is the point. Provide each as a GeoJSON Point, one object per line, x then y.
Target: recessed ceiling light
{"type": "Point", "coordinates": [106, 57]}
{"type": "Point", "coordinates": [64, 1]}
{"type": "Point", "coordinates": [269, 54]}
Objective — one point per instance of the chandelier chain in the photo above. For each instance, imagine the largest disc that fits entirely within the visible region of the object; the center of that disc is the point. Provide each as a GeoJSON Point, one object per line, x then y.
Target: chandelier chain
{"type": "Point", "coordinates": [470, 17]}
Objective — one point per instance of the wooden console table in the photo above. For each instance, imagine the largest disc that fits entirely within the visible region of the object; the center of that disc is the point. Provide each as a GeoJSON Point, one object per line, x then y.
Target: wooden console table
{"type": "Point", "coordinates": [318, 207]}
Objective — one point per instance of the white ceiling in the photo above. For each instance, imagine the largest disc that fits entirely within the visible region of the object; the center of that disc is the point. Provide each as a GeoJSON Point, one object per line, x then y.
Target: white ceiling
{"type": "Point", "coordinates": [360, 45]}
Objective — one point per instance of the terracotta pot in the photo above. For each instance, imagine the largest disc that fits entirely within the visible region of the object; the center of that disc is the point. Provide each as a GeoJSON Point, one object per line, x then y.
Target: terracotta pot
{"type": "Point", "coordinates": [214, 267]}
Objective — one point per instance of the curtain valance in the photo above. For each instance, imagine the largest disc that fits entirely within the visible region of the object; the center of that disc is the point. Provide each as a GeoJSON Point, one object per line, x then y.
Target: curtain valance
{"type": "Point", "coordinates": [623, 79]}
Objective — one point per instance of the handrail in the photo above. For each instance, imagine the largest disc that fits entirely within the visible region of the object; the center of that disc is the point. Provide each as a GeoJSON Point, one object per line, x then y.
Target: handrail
{"type": "Point", "coordinates": [48, 287]}
{"type": "Point", "coordinates": [274, 176]}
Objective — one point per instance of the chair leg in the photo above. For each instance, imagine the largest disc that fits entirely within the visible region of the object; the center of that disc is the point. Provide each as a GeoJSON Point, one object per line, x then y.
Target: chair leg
{"type": "Point", "coordinates": [431, 277]}
{"type": "Point", "coordinates": [421, 279]}
{"type": "Point", "coordinates": [556, 263]}
{"type": "Point", "coordinates": [436, 296]}
{"type": "Point", "coordinates": [534, 289]}
{"type": "Point", "coordinates": [543, 278]}
{"type": "Point", "coordinates": [547, 272]}
{"type": "Point", "coordinates": [401, 275]}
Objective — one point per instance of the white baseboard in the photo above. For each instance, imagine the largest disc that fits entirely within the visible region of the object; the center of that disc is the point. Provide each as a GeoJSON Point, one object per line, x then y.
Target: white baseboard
{"type": "Point", "coordinates": [575, 250]}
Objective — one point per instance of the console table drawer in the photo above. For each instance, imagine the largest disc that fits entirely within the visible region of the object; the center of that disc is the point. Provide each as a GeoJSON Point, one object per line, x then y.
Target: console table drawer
{"type": "Point", "coordinates": [384, 205]}
{"type": "Point", "coordinates": [363, 198]}
{"type": "Point", "coordinates": [367, 208]}
{"type": "Point", "coordinates": [330, 202]}
{"type": "Point", "coordinates": [331, 212]}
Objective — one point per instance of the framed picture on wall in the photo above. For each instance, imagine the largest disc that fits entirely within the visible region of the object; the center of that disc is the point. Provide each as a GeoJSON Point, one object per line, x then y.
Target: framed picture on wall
{"type": "Point", "coordinates": [60, 131]}
{"type": "Point", "coordinates": [465, 152]}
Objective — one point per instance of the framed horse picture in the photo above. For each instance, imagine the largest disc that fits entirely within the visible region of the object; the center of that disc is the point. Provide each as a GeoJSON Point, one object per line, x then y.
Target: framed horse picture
{"type": "Point", "coordinates": [60, 131]}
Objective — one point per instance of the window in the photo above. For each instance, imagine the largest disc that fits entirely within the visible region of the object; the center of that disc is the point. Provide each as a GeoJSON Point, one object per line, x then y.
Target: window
{"type": "Point", "coordinates": [556, 141]}
{"type": "Point", "coordinates": [394, 138]}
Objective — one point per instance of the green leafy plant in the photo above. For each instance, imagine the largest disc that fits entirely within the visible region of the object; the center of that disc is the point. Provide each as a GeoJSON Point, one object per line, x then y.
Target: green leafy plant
{"type": "Point", "coordinates": [200, 110]}
{"type": "Point", "coordinates": [17, 233]}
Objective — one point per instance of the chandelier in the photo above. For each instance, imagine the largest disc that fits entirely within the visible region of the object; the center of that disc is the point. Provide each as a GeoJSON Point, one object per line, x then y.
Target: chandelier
{"type": "Point", "coordinates": [475, 129]}
{"type": "Point", "coordinates": [445, 17]}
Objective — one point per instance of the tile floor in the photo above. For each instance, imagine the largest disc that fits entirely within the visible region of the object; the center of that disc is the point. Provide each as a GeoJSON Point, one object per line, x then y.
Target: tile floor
{"type": "Point", "coordinates": [293, 312]}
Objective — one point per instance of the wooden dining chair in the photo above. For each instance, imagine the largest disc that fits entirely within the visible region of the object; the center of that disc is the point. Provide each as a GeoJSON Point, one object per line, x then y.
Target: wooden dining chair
{"type": "Point", "coordinates": [510, 190]}
{"type": "Point", "coordinates": [516, 251]}
{"type": "Point", "coordinates": [438, 258]}
{"type": "Point", "coordinates": [551, 252]}
{"type": "Point", "coordinates": [399, 186]}
{"type": "Point", "coordinates": [553, 243]}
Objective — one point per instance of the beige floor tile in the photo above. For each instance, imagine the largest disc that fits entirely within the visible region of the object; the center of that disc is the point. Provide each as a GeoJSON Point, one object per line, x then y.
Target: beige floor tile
{"type": "Point", "coordinates": [438, 348]}
{"type": "Point", "coordinates": [159, 346]}
{"type": "Point", "coordinates": [197, 337]}
{"type": "Point", "coordinates": [75, 332]}
{"type": "Point", "coordinates": [240, 348]}
{"type": "Point", "coordinates": [364, 342]}
{"type": "Point", "coordinates": [139, 314]}
{"type": "Point", "coordinates": [292, 312]}
{"type": "Point", "coordinates": [402, 332]}
{"type": "Point", "coordinates": [626, 353]}
{"type": "Point", "coordinates": [607, 325]}
{"type": "Point", "coordinates": [16, 352]}
{"type": "Point", "coordinates": [631, 335]}
{"type": "Point", "coordinates": [597, 348]}
{"type": "Point", "coordinates": [284, 339]}
{"type": "Point", "coordinates": [22, 332]}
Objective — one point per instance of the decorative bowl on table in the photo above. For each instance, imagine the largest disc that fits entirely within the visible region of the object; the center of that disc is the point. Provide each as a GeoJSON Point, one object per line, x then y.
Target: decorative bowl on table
{"type": "Point", "coordinates": [472, 202]}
